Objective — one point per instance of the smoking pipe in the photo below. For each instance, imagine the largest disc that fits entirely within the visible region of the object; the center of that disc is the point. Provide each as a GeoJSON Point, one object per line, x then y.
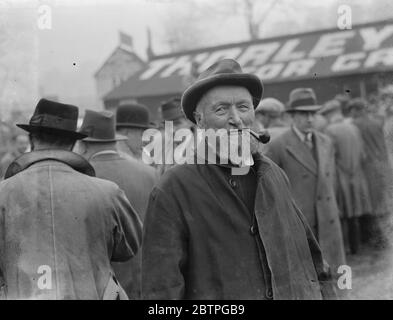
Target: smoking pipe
{"type": "Point", "coordinates": [263, 136]}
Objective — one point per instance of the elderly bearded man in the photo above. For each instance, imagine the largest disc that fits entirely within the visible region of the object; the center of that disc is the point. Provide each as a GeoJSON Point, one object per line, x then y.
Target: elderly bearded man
{"type": "Point", "coordinates": [212, 235]}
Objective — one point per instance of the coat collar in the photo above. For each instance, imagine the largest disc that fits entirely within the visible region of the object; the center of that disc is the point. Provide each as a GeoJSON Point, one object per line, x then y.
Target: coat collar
{"type": "Point", "coordinates": [103, 153]}
{"type": "Point", "coordinates": [69, 158]}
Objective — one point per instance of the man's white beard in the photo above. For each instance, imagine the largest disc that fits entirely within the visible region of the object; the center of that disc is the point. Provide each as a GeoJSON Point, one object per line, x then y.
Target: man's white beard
{"type": "Point", "coordinates": [236, 150]}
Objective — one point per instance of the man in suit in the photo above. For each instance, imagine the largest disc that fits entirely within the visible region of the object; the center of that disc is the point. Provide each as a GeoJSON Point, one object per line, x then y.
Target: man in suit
{"type": "Point", "coordinates": [307, 157]}
{"type": "Point", "coordinates": [131, 175]}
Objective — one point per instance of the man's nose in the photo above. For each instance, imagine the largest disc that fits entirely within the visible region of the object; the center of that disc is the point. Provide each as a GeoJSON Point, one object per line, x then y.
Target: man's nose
{"type": "Point", "coordinates": [234, 118]}
{"type": "Point", "coordinates": [310, 116]}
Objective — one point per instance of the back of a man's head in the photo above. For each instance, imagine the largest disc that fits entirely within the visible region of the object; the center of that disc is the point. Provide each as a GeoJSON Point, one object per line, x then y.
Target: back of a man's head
{"type": "Point", "coordinates": [42, 140]}
{"type": "Point", "coordinates": [357, 107]}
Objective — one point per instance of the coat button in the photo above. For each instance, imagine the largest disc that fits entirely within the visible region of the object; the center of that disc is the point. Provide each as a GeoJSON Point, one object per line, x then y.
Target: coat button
{"type": "Point", "coordinates": [253, 230]}
{"type": "Point", "coordinates": [233, 183]}
{"type": "Point", "coordinates": [269, 293]}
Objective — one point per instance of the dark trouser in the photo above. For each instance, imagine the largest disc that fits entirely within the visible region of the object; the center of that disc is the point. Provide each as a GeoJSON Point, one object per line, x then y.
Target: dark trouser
{"type": "Point", "coordinates": [352, 234]}
{"type": "Point", "coordinates": [372, 230]}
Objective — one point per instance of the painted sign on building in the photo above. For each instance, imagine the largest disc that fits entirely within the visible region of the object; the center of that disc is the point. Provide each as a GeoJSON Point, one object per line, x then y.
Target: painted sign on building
{"type": "Point", "coordinates": [364, 48]}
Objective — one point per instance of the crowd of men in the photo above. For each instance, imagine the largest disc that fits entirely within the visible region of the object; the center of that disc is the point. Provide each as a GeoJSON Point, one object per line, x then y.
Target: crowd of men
{"type": "Point", "coordinates": [84, 217]}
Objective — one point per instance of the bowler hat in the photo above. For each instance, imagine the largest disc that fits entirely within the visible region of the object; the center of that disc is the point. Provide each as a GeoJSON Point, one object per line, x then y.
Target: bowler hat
{"type": "Point", "coordinates": [133, 115]}
{"type": "Point", "coordinates": [171, 109]}
{"type": "Point", "coordinates": [270, 106]}
{"type": "Point", "coordinates": [224, 72]}
{"type": "Point", "coordinates": [330, 106]}
{"type": "Point", "coordinates": [100, 127]}
{"type": "Point", "coordinates": [55, 118]}
{"type": "Point", "coordinates": [303, 99]}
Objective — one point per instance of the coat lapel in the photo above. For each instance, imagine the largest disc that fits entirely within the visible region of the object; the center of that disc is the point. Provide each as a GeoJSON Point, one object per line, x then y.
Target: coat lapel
{"type": "Point", "coordinates": [321, 151]}
{"type": "Point", "coordinates": [301, 153]}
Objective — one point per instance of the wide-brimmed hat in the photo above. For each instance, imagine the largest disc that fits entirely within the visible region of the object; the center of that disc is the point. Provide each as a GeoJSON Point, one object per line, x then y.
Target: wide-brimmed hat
{"type": "Point", "coordinates": [270, 106]}
{"type": "Point", "coordinates": [133, 115]}
{"type": "Point", "coordinates": [224, 72]}
{"type": "Point", "coordinates": [100, 127]}
{"type": "Point", "coordinates": [302, 99]}
{"type": "Point", "coordinates": [55, 118]}
{"type": "Point", "coordinates": [171, 109]}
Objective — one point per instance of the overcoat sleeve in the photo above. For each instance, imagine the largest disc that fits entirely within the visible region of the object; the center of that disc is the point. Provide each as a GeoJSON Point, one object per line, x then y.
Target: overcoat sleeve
{"type": "Point", "coordinates": [164, 248]}
{"type": "Point", "coordinates": [128, 229]}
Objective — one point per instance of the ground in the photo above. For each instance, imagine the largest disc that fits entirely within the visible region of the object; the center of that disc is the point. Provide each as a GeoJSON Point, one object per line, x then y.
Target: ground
{"type": "Point", "coordinates": [372, 274]}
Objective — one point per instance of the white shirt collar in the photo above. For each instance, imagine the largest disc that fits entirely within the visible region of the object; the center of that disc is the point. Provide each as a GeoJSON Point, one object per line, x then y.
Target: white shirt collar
{"type": "Point", "coordinates": [302, 136]}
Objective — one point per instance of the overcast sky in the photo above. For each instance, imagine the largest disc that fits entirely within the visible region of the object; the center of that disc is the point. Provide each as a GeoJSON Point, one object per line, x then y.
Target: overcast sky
{"type": "Point", "coordinates": [61, 61]}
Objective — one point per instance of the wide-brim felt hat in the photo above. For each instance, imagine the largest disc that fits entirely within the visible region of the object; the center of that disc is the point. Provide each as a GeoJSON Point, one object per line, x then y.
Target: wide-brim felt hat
{"type": "Point", "coordinates": [302, 100]}
{"type": "Point", "coordinates": [100, 126]}
{"type": "Point", "coordinates": [133, 115]}
{"type": "Point", "coordinates": [226, 72]}
{"type": "Point", "coordinates": [54, 118]}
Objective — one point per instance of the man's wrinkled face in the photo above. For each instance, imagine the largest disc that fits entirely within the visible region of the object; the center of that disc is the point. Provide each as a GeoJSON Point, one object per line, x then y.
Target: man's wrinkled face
{"type": "Point", "coordinates": [226, 107]}
{"type": "Point", "coordinates": [303, 120]}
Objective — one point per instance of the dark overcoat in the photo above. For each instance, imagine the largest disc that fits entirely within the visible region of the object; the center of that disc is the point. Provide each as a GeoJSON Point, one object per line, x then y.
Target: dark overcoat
{"type": "Point", "coordinates": [136, 180]}
{"type": "Point", "coordinates": [201, 242]}
{"type": "Point", "coordinates": [313, 187]}
{"type": "Point", "coordinates": [376, 165]}
{"type": "Point", "coordinates": [60, 229]}
{"type": "Point", "coordinates": [352, 190]}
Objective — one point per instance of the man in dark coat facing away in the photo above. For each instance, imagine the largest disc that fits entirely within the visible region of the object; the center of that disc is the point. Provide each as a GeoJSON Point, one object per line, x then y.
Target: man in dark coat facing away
{"type": "Point", "coordinates": [377, 171]}
{"type": "Point", "coordinates": [352, 191]}
{"type": "Point", "coordinates": [132, 176]}
{"type": "Point", "coordinates": [213, 233]}
{"type": "Point", "coordinates": [61, 226]}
